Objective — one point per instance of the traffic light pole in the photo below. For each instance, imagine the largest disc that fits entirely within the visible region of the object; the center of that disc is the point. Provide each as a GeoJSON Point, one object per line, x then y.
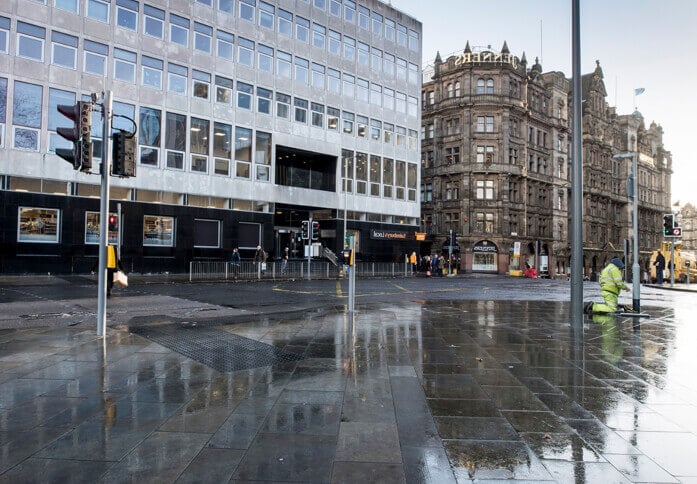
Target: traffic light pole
{"type": "Point", "coordinates": [672, 262]}
{"type": "Point", "coordinates": [104, 214]}
{"type": "Point", "coordinates": [309, 249]}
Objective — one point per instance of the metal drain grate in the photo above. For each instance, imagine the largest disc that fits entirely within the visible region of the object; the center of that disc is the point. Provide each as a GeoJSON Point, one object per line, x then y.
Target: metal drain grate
{"type": "Point", "coordinates": [220, 350]}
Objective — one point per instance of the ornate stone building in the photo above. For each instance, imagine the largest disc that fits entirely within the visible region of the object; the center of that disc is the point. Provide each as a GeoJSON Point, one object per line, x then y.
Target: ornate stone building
{"type": "Point", "coordinates": [496, 166]}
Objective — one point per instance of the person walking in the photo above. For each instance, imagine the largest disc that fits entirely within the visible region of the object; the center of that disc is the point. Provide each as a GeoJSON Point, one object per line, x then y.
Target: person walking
{"type": "Point", "coordinates": [235, 260]}
{"type": "Point", "coordinates": [112, 264]}
{"type": "Point", "coordinates": [412, 261]}
{"type": "Point", "coordinates": [611, 284]}
{"type": "Point", "coordinates": [284, 261]}
{"type": "Point", "coordinates": [660, 264]}
{"type": "Point", "coordinates": [260, 259]}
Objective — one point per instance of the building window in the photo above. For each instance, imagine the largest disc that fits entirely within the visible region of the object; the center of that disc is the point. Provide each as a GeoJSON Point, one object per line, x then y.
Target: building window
{"type": "Point", "coordinates": [388, 98]}
{"type": "Point", "coordinates": [245, 52]}
{"type": "Point", "coordinates": [452, 155]}
{"type": "Point", "coordinates": [243, 152]}
{"type": "Point", "coordinates": [127, 14]}
{"type": "Point", "coordinates": [26, 116]}
{"type": "Point", "coordinates": [387, 177]}
{"type": "Point", "coordinates": [56, 119]}
{"type": "Point", "coordinates": [375, 130]}
{"type": "Point", "coordinates": [302, 29]}
{"type": "Point", "coordinates": [264, 100]}
{"type": "Point", "coordinates": [362, 126]}
{"type": "Point", "coordinates": [222, 140]}
{"type": "Point", "coordinates": [363, 17]}
{"type": "Point", "coordinates": [333, 81]}
{"type": "Point", "coordinates": [452, 126]}
{"type": "Point", "coordinates": [3, 109]}
{"type": "Point", "coordinates": [350, 11]}
{"type": "Point", "coordinates": [38, 225]}
{"type": "Point", "coordinates": [175, 140]}
{"type": "Point", "coordinates": [319, 33]}
{"type": "Point", "coordinates": [427, 192]}
{"type": "Point", "coordinates": [484, 223]}
{"type": "Point", "coordinates": [349, 85]}
{"type": "Point", "coordinates": [333, 116]}
{"type": "Point", "coordinates": [300, 110]}
{"type": "Point", "coordinates": [154, 24]}
{"type": "Point", "coordinates": [347, 122]}
{"type": "Point", "coordinates": [203, 37]}
{"type": "Point", "coordinates": [266, 15]}
{"type": "Point", "coordinates": [362, 90]}
{"type": "Point", "coordinates": [64, 50]}
{"type": "Point", "coordinates": [178, 30]}
{"type": "Point", "coordinates": [317, 115]}
{"type": "Point", "coordinates": [247, 10]}
{"type": "Point", "coordinates": [199, 137]}
{"type": "Point", "coordinates": [485, 154]}
{"type": "Point", "coordinates": [376, 60]}
{"type": "Point", "coordinates": [201, 84]}
{"type": "Point", "coordinates": [149, 136]}
{"type": "Point", "coordinates": [30, 41]}
{"type": "Point", "coordinates": [158, 231]}
{"type": "Point", "coordinates": [206, 233]}
{"type": "Point", "coordinates": [151, 75]}
{"type": "Point", "coordinates": [176, 78]}
{"type": "Point", "coordinates": [485, 124]}
{"type": "Point", "coordinates": [124, 65]}
{"type": "Point", "coordinates": [285, 23]}
{"type": "Point", "coordinates": [225, 47]}
{"type": "Point", "coordinates": [413, 40]}
{"type": "Point", "coordinates": [335, 8]}
{"type": "Point", "coordinates": [262, 156]}
{"type": "Point", "coordinates": [302, 67]}
{"type": "Point", "coordinates": [265, 58]}
{"type": "Point", "coordinates": [485, 190]}
{"type": "Point", "coordinates": [513, 156]}
{"type": "Point", "coordinates": [245, 93]}
{"type": "Point", "coordinates": [98, 10]}
{"type": "Point", "coordinates": [318, 75]}
{"type": "Point", "coordinates": [227, 6]}
{"type": "Point", "coordinates": [350, 48]}
{"type": "Point", "coordinates": [282, 105]}
{"type": "Point", "coordinates": [451, 190]}
{"type": "Point", "coordinates": [334, 42]}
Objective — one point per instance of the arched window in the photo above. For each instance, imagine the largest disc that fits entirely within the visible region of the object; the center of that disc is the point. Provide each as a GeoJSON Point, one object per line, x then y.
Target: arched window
{"type": "Point", "coordinates": [480, 86]}
{"type": "Point", "coordinates": [490, 86]}
{"type": "Point", "coordinates": [457, 89]}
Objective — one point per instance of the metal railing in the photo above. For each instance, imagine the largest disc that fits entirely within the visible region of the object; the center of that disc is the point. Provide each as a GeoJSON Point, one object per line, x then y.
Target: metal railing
{"type": "Point", "coordinates": [250, 271]}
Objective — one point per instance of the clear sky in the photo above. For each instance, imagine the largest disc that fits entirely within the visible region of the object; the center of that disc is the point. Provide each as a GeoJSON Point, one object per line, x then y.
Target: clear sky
{"type": "Point", "coordinates": [639, 43]}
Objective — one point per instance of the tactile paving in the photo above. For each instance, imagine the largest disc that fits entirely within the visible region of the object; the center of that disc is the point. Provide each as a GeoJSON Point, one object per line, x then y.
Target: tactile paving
{"type": "Point", "coordinates": [217, 349]}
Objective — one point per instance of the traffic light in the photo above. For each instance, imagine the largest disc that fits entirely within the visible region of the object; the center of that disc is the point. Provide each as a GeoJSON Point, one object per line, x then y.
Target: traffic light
{"type": "Point", "coordinates": [305, 232]}
{"type": "Point", "coordinates": [80, 156]}
{"type": "Point", "coordinates": [668, 224]}
{"type": "Point", "coordinates": [113, 223]}
{"type": "Point", "coordinates": [315, 230]}
{"type": "Point", "coordinates": [123, 154]}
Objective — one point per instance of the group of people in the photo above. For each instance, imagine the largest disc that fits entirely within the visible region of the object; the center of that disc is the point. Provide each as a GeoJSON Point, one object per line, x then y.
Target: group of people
{"type": "Point", "coordinates": [434, 264]}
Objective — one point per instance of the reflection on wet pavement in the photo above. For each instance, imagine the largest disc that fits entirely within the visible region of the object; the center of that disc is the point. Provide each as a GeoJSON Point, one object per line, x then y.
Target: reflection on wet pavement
{"type": "Point", "coordinates": [442, 391]}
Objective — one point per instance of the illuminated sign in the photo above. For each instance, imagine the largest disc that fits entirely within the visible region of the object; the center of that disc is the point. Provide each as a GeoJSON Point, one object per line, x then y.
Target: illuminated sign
{"type": "Point", "coordinates": [485, 246]}
{"type": "Point", "coordinates": [486, 58]}
{"type": "Point", "coordinates": [384, 235]}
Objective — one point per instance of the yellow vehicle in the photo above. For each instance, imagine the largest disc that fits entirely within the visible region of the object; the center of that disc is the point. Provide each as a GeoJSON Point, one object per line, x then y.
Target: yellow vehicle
{"type": "Point", "coordinates": [684, 261]}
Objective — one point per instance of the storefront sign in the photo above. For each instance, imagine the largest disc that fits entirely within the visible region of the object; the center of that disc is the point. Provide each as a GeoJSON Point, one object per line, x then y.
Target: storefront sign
{"type": "Point", "coordinates": [385, 235]}
{"type": "Point", "coordinates": [485, 246]}
{"type": "Point", "coordinates": [486, 58]}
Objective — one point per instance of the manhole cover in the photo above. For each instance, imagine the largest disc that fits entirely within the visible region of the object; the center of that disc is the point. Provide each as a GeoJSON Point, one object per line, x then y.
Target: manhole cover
{"type": "Point", "coordinates": [217, 349]}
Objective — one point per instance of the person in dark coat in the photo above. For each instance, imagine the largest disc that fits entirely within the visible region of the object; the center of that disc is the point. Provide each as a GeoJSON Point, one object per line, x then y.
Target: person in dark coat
{"type": "Point", "coordinates": [660, 264]}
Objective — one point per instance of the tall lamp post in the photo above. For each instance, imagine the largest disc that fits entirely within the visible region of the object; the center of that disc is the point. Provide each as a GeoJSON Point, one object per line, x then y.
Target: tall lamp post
{"type": "Point", "coordinates": [636, 286]}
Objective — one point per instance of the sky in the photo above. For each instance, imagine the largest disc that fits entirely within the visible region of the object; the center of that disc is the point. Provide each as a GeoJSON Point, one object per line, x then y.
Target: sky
{"type": "Point", "coordinates": [646, 44]}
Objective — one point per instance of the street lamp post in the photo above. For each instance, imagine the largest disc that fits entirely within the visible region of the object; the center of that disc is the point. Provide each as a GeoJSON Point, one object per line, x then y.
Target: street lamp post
{"type": "Point", "coordinates": [636, 286]}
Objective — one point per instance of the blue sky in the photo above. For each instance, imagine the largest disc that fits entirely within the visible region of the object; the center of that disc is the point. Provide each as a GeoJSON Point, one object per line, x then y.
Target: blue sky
{"type": "Point", "coordinates": [639, 43]}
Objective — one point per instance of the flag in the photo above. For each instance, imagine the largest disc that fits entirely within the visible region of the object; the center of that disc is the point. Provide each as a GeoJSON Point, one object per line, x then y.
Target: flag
{"type": "Point", "coordinates": [639, 90]}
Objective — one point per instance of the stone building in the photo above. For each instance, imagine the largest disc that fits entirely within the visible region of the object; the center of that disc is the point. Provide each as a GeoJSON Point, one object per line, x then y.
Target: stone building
{"type": "Point", "coordinates": [496, 166]}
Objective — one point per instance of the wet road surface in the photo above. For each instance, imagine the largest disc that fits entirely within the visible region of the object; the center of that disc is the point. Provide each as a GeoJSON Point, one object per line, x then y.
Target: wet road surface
{"type": "Point", "coordinates": [417, 386]}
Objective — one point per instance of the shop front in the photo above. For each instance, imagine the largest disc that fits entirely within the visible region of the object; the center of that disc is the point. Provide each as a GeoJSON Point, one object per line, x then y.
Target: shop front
{"type": "Point", "coordinates": [485, 256]}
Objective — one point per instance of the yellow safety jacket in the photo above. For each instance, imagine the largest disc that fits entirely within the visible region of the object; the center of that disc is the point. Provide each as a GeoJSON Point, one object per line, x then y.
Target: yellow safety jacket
{"type": "Point", "coordinates": [611, 279]}
{"type": "Point", "coordinates": [110, 257]}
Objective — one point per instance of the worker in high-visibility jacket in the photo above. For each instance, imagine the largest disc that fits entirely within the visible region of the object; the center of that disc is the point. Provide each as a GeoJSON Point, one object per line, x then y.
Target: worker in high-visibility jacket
{"type": "Point", "coordinates": [112, 263]}
{"type": "Point", "coordinates": [611, 284]}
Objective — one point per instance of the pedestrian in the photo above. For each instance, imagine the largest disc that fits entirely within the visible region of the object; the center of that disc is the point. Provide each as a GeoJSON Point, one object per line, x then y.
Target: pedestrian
{"type": "Point", "coordinates": [284, 261]}
{"type": "Point", "coordinates": [611, 284]}
{"type": "Point", "coordinates": [441, 265]}
{"type": "Point", "coordinates": [434, 263]}
{"type": "Point", "coordinates": [235, 260]}
{"type": "Point", "coordinates": [660, 264]}
{"type": "Point", "coordinates": [260, 258]}
{"type": "Point", "coordinates": [412, 261]}
{"type": "Point", "coordinates": [112, 265]}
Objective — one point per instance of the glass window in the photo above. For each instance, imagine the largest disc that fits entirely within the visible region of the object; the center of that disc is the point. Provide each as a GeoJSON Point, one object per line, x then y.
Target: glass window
{"type": "Point", "coordinates": [92, 229]}
{"type": "Point", "coordinates": [225, 45]}
{"type": "Point", "coordinates": [317, 115]}
{"type": "Point", "coordinates": [363, 54]}
{"type": "Point", "coordinates": [149, 136]}
{"type": "Point", "coordinates": [362, 90]}
{"type": "Point", "coordinates": [333, 115]}
{"type": "Point", "coordinates": [38, 225]}
{"type": "Point", "coordinates": [413, 106]}
{"type": "Point", "coordinates": [361, 172]}
{"type": "Point", "coordinates": [388, 98]}
{"type": "Point", "coordinates": [401, 102]}
{"type": "Point", "coordinates": [401, 69]}
{"type": "Point", "coordinates": [154, 21]}
{"type": "Point", "coordinates": [244, 95]}
{"type": "Point", "coordinates": [376, 59]}
{"type": "Point", "coordinates": [401, 35]}
{"type": "Point", "coordinates": [4, 34]}
{"type": "Point", "coordinates": [266, 15]}
{"type": "Point", "coordinates": [301, 70]}
{"type": "Point", "coordinates": [375, 130]}
{"type": "Point", "coordinates": [243, 151]}
{"type": "Point", "coordinates": [177, 78]}
{"type": "Point", "coordinates": [350, 11]}
{"type": "Point", "coordinates": [265, 58]}
{"type": "Point", "coordinates": [376, 94]}
{"type": "Point", "coordinates": [201, 84]}
{"type": "Point", "coordinates": [69, 5]}
{"type": "Point", "coordinates": [349, 48]}
{"type": "Point", "coordinates": [203, 37]}
{"type": "Point", "coordinates": [301, 110]}
{"type": "Point", "coordinates": [390, 29]}
{"type": "Point", "coordinates": [302, 29]}
{"type": "Point", "coordinates": [98, 10]}
{"type": "Point", "coordinates": [245, 52]}
{"type": "Point", "coordinates": [282, 105]}
{"type": "Point", "coordinates": [227, 6]}
{"type": "Point", "coordinates": [56, 119]}
{"type": "Point", "coordinates": [152, 72]}
{"type": "Point", "coordinates": [199, 143]}
{"type": "Point", "coordinates": [335, 7]}
{"type": "Point", "coordinates": [375, 175]}
{"type": "Point", "coordinates": [318, 75]}
{"type": "Point", "coordinates": [285, 23]}
{"type": "Point", "coordinates": [127, 14]}
{"type": "Point", "coordinates": [377, 23]}
{"type": "Point", "coordinates": [158, 231]}
{"type": "Point", "coordinates": [264, 100]}
{"type": "Point", "coordinates": [388, 133]}
{"type": "Point", "coordinates": [363, 17]}
{"type": "Point", "coordinates": [283, 61]}
{"type": "Point", "coordinates": [206, 233]}
{"type": "Point", "coordinates": [247, 10]}
{"type": "Point", "coordinates": [262, 155]}
{"type": "Point", "coordinates": [178, 30]}
{"type": "Point", "coordinates": [349, 85]}
{"type": "Point", "coordinates": [387, 177]}
{"type": "Point", "coordinates": [30, 41]}
{"type": "Point", "coordinates": [388, 64]}
{"type": "Point", "coordinates": [26, 115]}
{"type": "Point", "coordinates": [222, 142]}
{"type": "Point", "coordinates": [334, 42]}
{"type": "Point", "coordinates": [321, 4]}
{"type": "Point", "coordinates": [362, 122]}
{"type": "Point", "coordinates": [175, 140]}
{"type": "Point", "coordinates": [95, 57]}
{"type": "Point", "coordinates": [413, 40]}
{"type": "Point", "coordinates": [223, 90]}
{"type": "Point", "coordinates": [334, 80]}
{"type": "Point", "coordinates": [64, 50]}
{"type": "Point", "coordinates": [347, 122]}
{"type": "Point", "coordinates": [124, 65]}
{"type": "Point", "coordinates": [414, 74]}
{"type": "Point", "coordinates": [319, 33]}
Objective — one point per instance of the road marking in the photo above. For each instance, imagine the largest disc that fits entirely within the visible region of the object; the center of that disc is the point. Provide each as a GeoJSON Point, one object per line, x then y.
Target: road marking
{"type": "Point", "coordinates": [340, 295]}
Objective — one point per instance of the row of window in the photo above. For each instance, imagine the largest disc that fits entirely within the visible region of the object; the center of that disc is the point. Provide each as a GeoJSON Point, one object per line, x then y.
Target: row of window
{"type": "Point", "coordinates": [127, 16]}
{"type": "Point", "coordinates": [27, 115]}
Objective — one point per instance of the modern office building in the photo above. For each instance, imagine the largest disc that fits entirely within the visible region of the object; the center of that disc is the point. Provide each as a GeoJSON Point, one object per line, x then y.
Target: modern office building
{"type": "Point", "coordinates": [251, 116]}
{"type": "Point", "coordinates": [496, 166]}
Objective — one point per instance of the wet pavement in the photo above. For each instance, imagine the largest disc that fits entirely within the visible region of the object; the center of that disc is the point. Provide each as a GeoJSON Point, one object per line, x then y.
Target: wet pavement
{"type": "Point", "coordinates": [424, 390]}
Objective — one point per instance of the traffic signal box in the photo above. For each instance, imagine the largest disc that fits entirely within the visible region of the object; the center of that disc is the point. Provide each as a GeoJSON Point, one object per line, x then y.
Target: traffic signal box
{"type": "Point", "coordinates": [315, 230]}
{"type": "Point", "coordinates": [668, 221]}
{"type": "Point", "coordinates": [113, 223]}
{"type": "Point", "coordinates": [80, 155]}
{"type": "Point", "coordinates": [123, 154]}
{"type": "Point", "coordinates": [305, 231]}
